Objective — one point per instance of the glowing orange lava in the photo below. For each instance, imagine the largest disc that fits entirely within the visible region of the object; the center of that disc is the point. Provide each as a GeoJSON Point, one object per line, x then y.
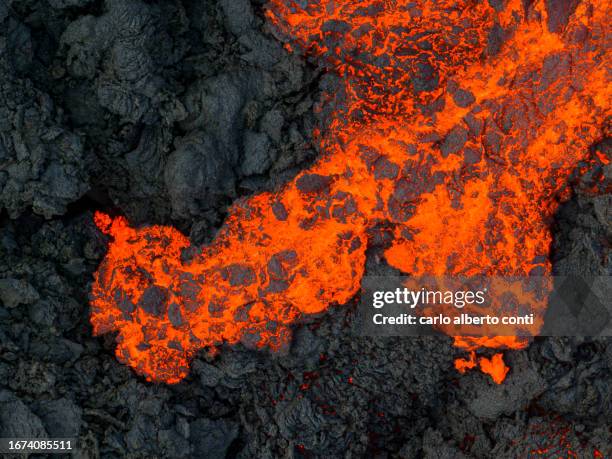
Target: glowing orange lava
{"type": "Point", "coordinates": [494, 367]}
{"type": "Point", "coordinates": [455, 123]}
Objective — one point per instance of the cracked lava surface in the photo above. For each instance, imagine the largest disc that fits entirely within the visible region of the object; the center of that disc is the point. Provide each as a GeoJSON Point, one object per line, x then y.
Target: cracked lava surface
{"type": "Point", "coordinates": [454, 123]}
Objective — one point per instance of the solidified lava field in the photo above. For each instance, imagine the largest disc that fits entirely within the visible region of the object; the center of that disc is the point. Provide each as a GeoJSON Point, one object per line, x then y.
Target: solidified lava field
{"type": "Point", "coordinates": [192, 191]}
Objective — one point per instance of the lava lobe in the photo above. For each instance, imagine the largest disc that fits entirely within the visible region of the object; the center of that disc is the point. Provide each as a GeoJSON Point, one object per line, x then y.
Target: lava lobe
{"type": "Point", "coordinates": [455, 123]}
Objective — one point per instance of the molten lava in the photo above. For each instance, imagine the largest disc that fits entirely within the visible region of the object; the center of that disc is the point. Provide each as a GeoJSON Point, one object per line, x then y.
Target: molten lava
{"type": "Point", "coordinates": [454, 122]}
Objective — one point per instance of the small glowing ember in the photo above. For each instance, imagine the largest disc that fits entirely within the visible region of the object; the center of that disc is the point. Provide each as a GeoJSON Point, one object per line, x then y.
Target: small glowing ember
{"type": "Point", "coordinates": [456, 123]}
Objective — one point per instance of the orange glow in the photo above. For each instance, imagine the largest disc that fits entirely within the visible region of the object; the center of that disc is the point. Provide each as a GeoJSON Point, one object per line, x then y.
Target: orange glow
{"type": "Point", "coordinates": [463, 365]}
{"type": "Point", "coordinates": [463, 149]}
{"type": "Point", "coordinates": [494, 367]}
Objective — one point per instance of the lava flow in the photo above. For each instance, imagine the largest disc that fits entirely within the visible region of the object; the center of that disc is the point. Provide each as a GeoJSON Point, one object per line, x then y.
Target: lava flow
{"type": "Point", "coordinates": [456, 123]}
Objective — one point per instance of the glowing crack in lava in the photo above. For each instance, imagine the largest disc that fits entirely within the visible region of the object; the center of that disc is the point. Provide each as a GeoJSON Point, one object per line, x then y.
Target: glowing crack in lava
{"type": "Point", "coordinates": [552, 438]}
{"type": "Point", "coordinates": [455, 123]}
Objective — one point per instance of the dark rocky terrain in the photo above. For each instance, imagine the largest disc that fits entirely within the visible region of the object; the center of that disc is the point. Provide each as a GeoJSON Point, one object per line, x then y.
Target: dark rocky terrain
{"type": "Point", "coordinates": [166, 112]}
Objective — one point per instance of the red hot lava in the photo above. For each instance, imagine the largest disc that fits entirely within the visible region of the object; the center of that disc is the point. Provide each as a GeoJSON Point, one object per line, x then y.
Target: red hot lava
{"type": "Point", "coordinates": [456, 123]}
{"type": "Point", "coordinates": [553, 438]}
